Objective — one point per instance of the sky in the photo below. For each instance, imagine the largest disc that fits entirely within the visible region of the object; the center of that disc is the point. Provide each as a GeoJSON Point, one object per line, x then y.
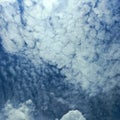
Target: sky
{"type": "Point", "coordinates": [80, 38]}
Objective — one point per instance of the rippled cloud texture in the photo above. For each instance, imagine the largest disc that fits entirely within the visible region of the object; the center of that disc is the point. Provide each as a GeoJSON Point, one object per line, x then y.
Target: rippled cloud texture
{"type": "Point", "coordinates": [47, 45]}
{"type": "Point", "coordinates": [81, 37]}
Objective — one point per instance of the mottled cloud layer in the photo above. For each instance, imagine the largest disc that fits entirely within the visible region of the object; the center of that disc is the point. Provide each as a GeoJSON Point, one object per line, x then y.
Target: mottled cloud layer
{"type": "Point", "coordinates": [81, 37]}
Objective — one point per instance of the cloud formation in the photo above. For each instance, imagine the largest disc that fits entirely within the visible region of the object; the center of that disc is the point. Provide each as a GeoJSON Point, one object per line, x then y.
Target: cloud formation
{"type": "Point", "coordinates": [80, 37]}
{"type": "Point", "coordinates": [23, 112]}
{"type": "Point", "coordinates": [73, 115]}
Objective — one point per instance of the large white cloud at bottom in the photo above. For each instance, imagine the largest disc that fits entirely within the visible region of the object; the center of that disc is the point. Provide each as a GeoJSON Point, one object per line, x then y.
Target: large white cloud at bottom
{"type": "Point", "coordinates": [23, 112]}
{"type": "Point", "coordinates": [73, 115]}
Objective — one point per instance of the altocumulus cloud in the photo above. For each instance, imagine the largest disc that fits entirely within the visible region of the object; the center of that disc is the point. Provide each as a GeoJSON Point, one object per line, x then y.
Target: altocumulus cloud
{"type": "Point", "coordinates": [81, 37]}
{"type": "Point", "coordinates": [63, 43]}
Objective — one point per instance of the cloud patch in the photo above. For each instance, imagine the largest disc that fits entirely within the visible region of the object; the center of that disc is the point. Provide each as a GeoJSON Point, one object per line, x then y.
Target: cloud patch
{"type": "Point", "coordinates": [82, 38]}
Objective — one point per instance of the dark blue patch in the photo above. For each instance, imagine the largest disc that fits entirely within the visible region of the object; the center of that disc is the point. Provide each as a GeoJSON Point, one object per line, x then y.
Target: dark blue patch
{"type": "Point", "coordinates": [1, 47]}
{"type": "Point", "coordinates": [96, 4]}
{"type": "Point", "coordinates": [21, 9]}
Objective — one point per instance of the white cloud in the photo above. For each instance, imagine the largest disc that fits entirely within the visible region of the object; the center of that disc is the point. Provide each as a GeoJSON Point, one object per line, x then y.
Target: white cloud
{"type": "Point", "coordinates": [4, 1]}
{"type": "Point", "coordinates": [23, 112]}
{"type": "Point", "coordinates": [73, 115]}
{"type": "Point", "coordinates": [58, 34]}
{"type": "Point", "coordinates": [49, 4]}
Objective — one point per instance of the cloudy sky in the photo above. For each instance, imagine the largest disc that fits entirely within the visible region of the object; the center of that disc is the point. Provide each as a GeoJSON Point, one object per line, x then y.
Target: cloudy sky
{"type": "Point", "coordinates": [76, 42]}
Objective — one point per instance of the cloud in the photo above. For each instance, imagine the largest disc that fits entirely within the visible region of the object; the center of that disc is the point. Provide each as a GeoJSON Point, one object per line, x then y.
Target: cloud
{"type": "Point", "coordinates": [23, 112]}
{"type": "Point", "coordinates": [81, 38]}
{"type": "Point", "coordinates": [73, 115]}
